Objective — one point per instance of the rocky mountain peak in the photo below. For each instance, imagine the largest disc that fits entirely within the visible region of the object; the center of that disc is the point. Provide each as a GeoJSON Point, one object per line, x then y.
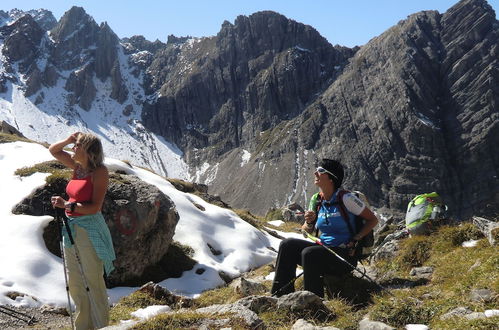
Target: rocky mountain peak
{"type": "Point", "coordinates": [268, 30]}
{"type": "Point", "coordinates": [139, 43]}
{"type": "Point", "coordinates": [77, 25]}
{"type": "Point", "coordinates": [21, 40]}
{"type": "Point", "coordinates": [43, 17]}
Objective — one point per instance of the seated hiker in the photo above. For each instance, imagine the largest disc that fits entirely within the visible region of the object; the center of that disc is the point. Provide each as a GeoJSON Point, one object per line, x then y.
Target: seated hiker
{"type": "Point", "coordinates": [335, 234]}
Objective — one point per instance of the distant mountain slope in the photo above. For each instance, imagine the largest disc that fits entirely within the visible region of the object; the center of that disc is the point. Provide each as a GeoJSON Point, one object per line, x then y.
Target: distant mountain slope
{"type": "Point", "coordinates": [77, 76]}
{"type": "Point", "coordinates": [251, 110]}
{"type": "Point", "coordinates": [415, 110]}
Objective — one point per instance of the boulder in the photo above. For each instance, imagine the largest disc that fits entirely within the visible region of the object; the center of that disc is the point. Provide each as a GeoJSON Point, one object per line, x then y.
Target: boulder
{"type": "Point", "coordinates": [246, 287]}
{"type": "Point", "coordinates": [249, 317]}
{"type": "Point", "coordinates": [490, 229]}
{"type": "Point", "coordinates": [160, 293]}
{"type": "Point", "coordinates": [140, 217]}
{"type": "Point", "coordinates": [304, 303]}
{"type": "Point", "coordinates": [422, 272]}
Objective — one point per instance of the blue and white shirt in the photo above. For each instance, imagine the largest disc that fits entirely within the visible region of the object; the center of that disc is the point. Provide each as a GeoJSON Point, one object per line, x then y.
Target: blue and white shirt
{"type": "Point", "coordinates": [334, 230]}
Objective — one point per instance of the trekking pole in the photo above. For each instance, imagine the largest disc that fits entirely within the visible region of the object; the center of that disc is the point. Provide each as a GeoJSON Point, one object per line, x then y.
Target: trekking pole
{"type": "Point", "coordinates": [64, 265]}
{"type": "Point", "coordinates": [93, 306]}
{"type": "Point", "coordinates": [318, 241]}
{"type": "Point", "coordinates": [18, 315]}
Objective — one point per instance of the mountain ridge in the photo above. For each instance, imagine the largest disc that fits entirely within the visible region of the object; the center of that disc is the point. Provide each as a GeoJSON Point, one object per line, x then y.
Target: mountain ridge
{"type": "Point", "coordinates": [254, 107]}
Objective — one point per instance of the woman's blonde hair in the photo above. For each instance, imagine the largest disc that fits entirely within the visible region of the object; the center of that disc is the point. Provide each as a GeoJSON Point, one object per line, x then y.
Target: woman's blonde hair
{"type": "Point", "coordinates": [93, 147]}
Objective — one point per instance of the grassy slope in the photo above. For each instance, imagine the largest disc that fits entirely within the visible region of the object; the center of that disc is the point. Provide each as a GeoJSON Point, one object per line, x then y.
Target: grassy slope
{"type": "Point", "coordinates": [458, 270]}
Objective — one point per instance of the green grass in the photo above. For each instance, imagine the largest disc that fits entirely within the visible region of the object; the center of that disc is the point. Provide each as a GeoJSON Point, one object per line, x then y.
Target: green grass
{"type": "Point", "coordinates": [273, 214]}
{"type": "Point", "coordinates": [7, 138]}
{"type": "Point", "coordinates": [172, 321]}
{"type": "Point", "coordinates": [57, 171]}
{"type": "Point", "coordinates": [128, 304]}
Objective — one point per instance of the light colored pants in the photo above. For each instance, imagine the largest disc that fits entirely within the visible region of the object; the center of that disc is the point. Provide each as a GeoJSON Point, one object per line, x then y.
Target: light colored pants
{"type": "Point", "coordinates": [94, 270]}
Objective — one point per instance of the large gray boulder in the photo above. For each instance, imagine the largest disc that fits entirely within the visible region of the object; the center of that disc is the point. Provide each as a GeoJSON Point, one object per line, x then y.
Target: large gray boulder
{"type": "Point", "coordinates": [140, 217]}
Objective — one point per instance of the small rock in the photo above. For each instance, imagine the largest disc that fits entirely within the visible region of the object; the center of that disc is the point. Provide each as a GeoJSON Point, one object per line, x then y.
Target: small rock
{"type": "Point", "coordinates": [475, 315]}
{"type": "Point", "coordinates": [367, 324]}
{"type": "Point", "coordinates": [459, 311]}
{"type": "Point", "coordinates": [422, 272]}
{"type": "Point", "coordinates": [301, 324]}
{"type": "Point", "coordinates": [247, 288]}
{"type": "Point", "coordinates": [482, 295]}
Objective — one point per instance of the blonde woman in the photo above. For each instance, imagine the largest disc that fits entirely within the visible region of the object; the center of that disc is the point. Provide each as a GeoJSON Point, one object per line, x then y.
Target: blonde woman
{"type": "Point", "coordinates": [86, 191]}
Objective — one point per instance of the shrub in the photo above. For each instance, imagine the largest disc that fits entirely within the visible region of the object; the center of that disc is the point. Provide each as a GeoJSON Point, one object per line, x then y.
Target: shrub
{"type": "Point", "coordinates": [414, 251]}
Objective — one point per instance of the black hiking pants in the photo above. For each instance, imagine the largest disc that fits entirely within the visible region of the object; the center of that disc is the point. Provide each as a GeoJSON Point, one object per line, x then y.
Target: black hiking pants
{"type": "Point", "coordinates": [315, 260]}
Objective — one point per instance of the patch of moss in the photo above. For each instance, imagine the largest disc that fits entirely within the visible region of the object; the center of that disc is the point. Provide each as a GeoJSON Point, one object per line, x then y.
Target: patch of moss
{"type": "Point", "coordinates": [414, 252]}
{"type": "Point", "coordinates": [128, 304]}
{"type": "Point", "coordinates": [449, 237]}
{"type": "Point", "coordinates": [51, 166]}
{"type": "Point", "coordinates": [489, 323]}
{"type": "Point", "coordinates": [273, 214]}
{"type": "Point", "coordinates": [222, 295]}
{"type": "Point", "coordinates": [56, 169]}
{"type": "Point", "coordinates": [399, 311]}
{"type": "Point", "coordinates": [7, 138]}
{"type": "Point", "coordinates": [182, 320]}
{"type": "Point", "coordinates": [347, 317]}
{"type": "Point", "coordinates": [250, 218]}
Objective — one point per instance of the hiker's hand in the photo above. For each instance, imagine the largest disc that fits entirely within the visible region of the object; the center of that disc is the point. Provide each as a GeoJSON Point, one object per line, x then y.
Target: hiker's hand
{"type": "Point", "coordinates": [351, 246]}
{"type": "Point", "coordinates": [57, 201]}
{"type": "Point", "coordinates": [73, 137]}
{"type": "Point", "coordinates": [310, 216]}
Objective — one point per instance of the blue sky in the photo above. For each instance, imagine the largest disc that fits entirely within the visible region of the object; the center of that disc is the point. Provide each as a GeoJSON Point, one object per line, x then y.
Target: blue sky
{"type": "Point", "coordinates": [347, 23]}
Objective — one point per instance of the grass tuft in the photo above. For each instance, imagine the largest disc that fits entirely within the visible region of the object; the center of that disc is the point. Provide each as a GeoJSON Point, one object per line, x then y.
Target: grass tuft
{"type": "Point", "coordinates": [401, 311]}
{"type": "Point", "coordinates": [128, 304]}
{"type": "Point", "coordinates": [415, 252]}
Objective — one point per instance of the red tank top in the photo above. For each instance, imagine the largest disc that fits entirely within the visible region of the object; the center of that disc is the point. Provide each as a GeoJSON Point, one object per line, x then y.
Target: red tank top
{"type": "Point", "coordinates": [79, 190]}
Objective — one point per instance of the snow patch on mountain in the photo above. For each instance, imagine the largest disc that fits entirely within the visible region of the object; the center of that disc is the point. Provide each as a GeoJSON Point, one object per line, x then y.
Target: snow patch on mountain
{"type": "Point", "coordinates": [46, 116]}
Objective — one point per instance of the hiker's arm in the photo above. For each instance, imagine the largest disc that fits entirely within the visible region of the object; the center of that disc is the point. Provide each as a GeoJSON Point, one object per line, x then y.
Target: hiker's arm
{"type": "Point", "coordinates": [57, 150]}
{"type": "Point", "coordinates": [309, 223]}
{"type": "Point", "coordinates": [371, 222]}
{"type": "Point", "coordinates": [100, 181]}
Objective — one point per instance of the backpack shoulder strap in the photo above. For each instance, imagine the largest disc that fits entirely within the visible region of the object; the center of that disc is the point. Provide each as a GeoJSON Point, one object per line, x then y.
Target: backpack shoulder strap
{"type": "Point", "coordinates": [343, 211]}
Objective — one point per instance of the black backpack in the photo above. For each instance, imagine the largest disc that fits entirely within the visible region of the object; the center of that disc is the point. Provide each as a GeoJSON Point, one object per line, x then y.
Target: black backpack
{"type": "Point", "coordinates": [366, 244]}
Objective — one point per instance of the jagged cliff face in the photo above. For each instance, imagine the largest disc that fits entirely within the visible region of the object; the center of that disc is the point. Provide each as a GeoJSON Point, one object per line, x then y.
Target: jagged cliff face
{"type": "Point", "coordinates": [226, 89]}
{"type": "Point", "coordinates": [414, 110]}
{"type": "Point", "coordinates": [254, 107]}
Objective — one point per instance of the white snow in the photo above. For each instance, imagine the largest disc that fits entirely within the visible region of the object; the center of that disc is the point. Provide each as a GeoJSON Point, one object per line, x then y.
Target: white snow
{"type": "Point", "coordinates": [123, 137]}
{"type": "Point", "coordinates": [150, 311]}
{"type": "Point", "coordinates": [28, 267]}
{"type": "Point", "coordinates": [275, 223]}
{"type": "Point", "coordinates": [471, 243]}
{"type": "Point", "coordinates": [491, 312]}
{"type": "Point", "coordinates": [416, 327]}
{"type": "Point", "coordinates": [245, 157]}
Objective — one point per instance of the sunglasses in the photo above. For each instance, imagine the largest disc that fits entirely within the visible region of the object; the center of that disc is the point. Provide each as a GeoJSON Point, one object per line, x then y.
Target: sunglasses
{"type": "Point", "coordinates": [322, 170]}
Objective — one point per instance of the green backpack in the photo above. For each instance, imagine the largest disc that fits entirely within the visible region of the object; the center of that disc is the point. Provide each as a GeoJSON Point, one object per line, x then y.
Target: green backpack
{"type": "Point", "coordinates": [421, 211]}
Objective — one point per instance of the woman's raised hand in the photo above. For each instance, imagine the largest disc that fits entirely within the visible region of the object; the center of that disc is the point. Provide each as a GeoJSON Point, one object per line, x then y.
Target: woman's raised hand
{"type": "Point", "coordinates": [73, 137]}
